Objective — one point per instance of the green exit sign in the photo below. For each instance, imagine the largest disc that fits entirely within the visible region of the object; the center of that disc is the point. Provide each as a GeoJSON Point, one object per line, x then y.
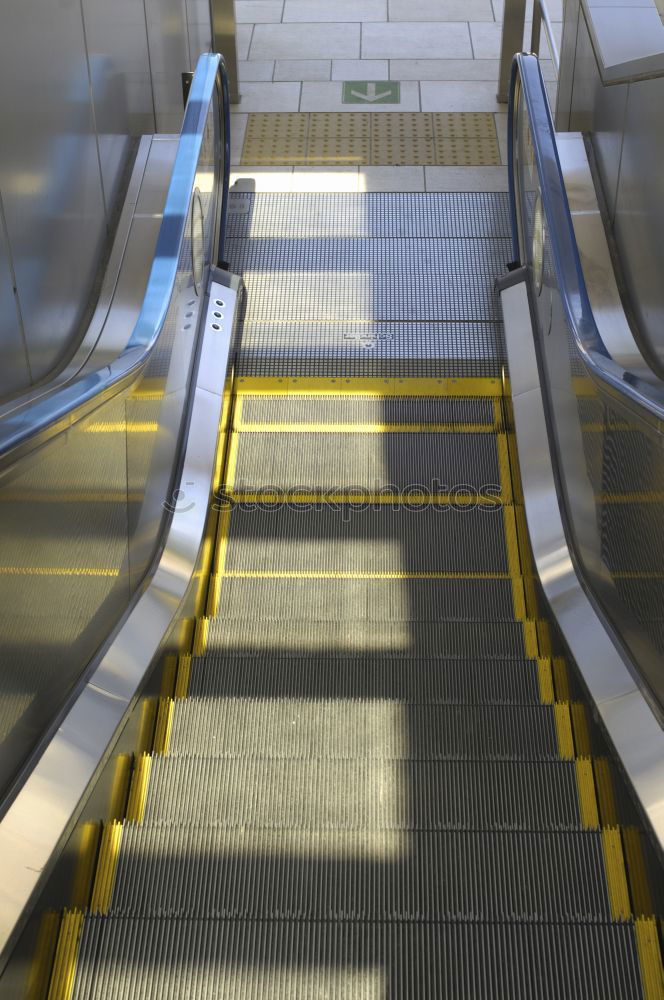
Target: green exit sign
{"type": "Point", "coordinates": [371, 92]}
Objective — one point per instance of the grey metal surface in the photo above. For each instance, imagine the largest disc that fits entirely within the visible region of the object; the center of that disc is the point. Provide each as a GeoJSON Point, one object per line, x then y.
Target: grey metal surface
{"type": "Point", "coordinates": [222, 20]}
{"type": "Point", "coordinates": [45, 807]}
{"type": "Point", "coordinates": [340, 959]}
{"type": "Point", "coordinates": [626, 715]}
{"type": "Point", "coordinates": [15, 367]}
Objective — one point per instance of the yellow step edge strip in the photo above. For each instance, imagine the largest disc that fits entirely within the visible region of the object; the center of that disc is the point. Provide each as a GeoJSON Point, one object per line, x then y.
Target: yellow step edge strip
{"type": "Point", "coordinates": [117, 802]}
{"type": "Point", "coordinates": [560, 678]}
{"type": "Point", "coordinates": [221, 546]}
{"type": "Point", "coordinates": [57, 571]}
{"type": "Point", "coordinates": [587, 796]}
{"type": "Point", "coordinates": [146, 725]}
{"type": "Point", "coordinates": [637, 872]}
{"type": "Point", "coordinates": [563, 723]}
{"type": "Point", "coordinates": [231, 463]}
{"type": "Point", "coordinates": [356, 496]}
{"type": "Point", "coordinates": [162, 733]}
{"type": "Point", "coordinates": [139, 788]}
{"type": "Point", "coordinates": [605, 793]}
{"type": "Point", "coordinates": [168, 675]}
{"type": "Point", "coordinates": [650, 958]}
{"type": "Point", "coordinates": [183, 677]}
{"type": "Point", "coordinates": [359, 575]}
{"type": "Point", "coordinates": [271, 386]}
{"type": "Point", "coordinates": [616, 874]}
{"type": "Point", "coordinates": [581, 730]}
{"type": "Point", "coordinates": [545, 681]}
{"type": "Point", "coordinates": [120, 427]}
{"type": "Point", "coordinates": [43, 958]}
{"type": "Point", "coordinates": [66, 956]}
{"type": "Point", "coordinates": [109, 852]}
{"type": "Point", "coordinates": [504, 466]}
{"type": "Point", "coordinates": [86, 860]}
{"type": "Point", "coordinates": [200, 636]}
{"type": "Point", "coordinates": [330, 428]}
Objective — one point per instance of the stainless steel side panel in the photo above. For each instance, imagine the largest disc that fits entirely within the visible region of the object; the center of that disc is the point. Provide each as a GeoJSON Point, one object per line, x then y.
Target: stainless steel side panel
{"type": "Point", "coordinates": [45, 809]}
{"type": "Point", "coordinates": [627, 718]}
{"type": "Point", "coordinates": [169, 58]}
{"type": "Point", "coordinates": [49, 171]}
{"type": "Point", "coordinates": [14, 371]}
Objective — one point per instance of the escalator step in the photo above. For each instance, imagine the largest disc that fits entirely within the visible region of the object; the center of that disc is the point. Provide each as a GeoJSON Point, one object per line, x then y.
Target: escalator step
{"type": "Point", "coordinates": [363, 794]}
{"type": "Point", "coordinates": [361, 875]}
{"type": "Point", "coordinates": [374, 600]}
{"type": "Point", "coordinates": [400, 463]}
{"type": "Point", "coordinates": [379, 730]}
{"type": "Point", "coordinates": [359, 638]}
{"type": "Point", "coordinates": [134, 957]}
{"type": "Point", "coordinates": [338, 539]}
{"type": "Point", "coordinates": [399, 680]}
{"type": "Point", "coordinates": [367, 410]}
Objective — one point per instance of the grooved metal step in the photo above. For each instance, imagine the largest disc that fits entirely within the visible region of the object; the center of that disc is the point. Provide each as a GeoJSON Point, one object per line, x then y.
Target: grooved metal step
{"type": "Point", "coordinates": [380, 730]}
{"type": "Point", "coordinates": [346, 638]}
{"type": "Point", "coordinates": [374, 215]}
{"type": "Point", "coordinates": [368, 795]}
{"type": "Point", "coordinates": [345, 540]}
{"type": "Point", "coordinates": [408, 681]}
{"type": "Point", "coordinates": [404, 463]}
{"type": "Point", "coordinates": [343, 875]}
{"type": "Point", "coordinates": [367, 410]}
{"type": "Point", "coordinates": [363, 960]}
{"type": "Point", "coordinates": [374, 600]}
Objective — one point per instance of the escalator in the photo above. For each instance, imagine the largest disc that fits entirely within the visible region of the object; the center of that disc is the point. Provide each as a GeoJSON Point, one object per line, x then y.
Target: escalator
{"type": "Point", "coordinates": [369, 766]}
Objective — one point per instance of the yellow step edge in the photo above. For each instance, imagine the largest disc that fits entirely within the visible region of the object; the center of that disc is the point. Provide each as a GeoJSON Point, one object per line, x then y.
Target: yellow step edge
{"type": "Point", "coordinates": [139, 788]}
{"type": "Point", "coordinates": [530, 644]}
{"type": "Point", "coordinates": [66, 956]}
{"type": "Point", "coordinates": [168, 674]}
{"type": "Point", "coordinates": [231, 463]}
{"type": "Point", "coordinates": [221, 546]}
{"type": "Point", "coordinates": [117, 802]}
{"type": "Point", "coordinates": [605, 793]}
{"type": "Point", "coordinates": [88, 847]}
{"type": "Point", "coordinates": [121, 427]}
{"type": "Point", "coordinates": [271, 386]}
{"type": "Point", "coordinates": [200, 636]}
{"type": "Point", "coordinates": [545, 681]}
{"type": "Point", "coordinates": [183, 676]}
{"type": "Point", "coordinates": [499, 413]}
{"type": "Point", "coordinates": [43, 956]}
{"type": "Point", "coordinates": [259, 574]}
{"type": "Point", "coordinates": [616, 875]}
{"type": "Point", "coordinates": [511, 542]}
{"type": "Point", "coordinates": [637, 872]}
{"type": "Point", "coordinates": [214, 590]}
{"type": "Point", "coordinates": [504, 466]}
{"type": "Point", "coordinates": [650, 958]}
{"type": "Point", "coordinates": [109, 852]}
{"type": "Point", "coordinates": [358, 497]}
{"type": "Point", "coordinates": [146, 726]}
{"type": "Point", "coordinates": [581, 730]}
{"type": "Point", "coordinates": [331, 428]}
{"type": "Point", "coordinates": [544, 637]}
{"type": "Point", "coordinates": [518, 598]}
{"type": "Point", "coordinates": [560, 678]}
{"type": "Point", "coordinates": [563, 723]}
{"type": "Point", "coordinates": [162, 734]}
{"type": "Point", "coordinates": [587, 797]}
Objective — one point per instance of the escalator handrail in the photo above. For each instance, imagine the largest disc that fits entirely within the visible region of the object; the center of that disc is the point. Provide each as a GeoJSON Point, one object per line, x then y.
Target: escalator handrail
{"type": "Point", "coordinates": [560, 234]}
{"type": "Point", "coordinates": [32, 425]}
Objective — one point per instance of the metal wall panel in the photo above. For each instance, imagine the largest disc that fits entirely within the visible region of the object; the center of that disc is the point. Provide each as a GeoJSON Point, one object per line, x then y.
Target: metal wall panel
{"type": "Point", "coordinates": [200, 32]}
{"type": "Point", "coordinates": [14, 370]}
{"type": "Point", "coordinates": [49, 170]}
{"type": "Point", "coordinates": [639, 217]}
{"type": "Point", "coordinates": [169, 58]}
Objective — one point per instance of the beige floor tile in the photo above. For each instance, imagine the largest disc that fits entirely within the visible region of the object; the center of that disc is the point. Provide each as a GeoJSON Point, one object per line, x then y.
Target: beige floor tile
{"type": "Point", "coordinates": [327, 97]}
{"type": "Point", "coordinates": [255, 70]}
{"type": "Point", "coordinates": [238, 130]}
{"type": "Point", "coordinates": [258, 11]}
{"type": "Point", "coordinates": [335, 10]}
{"type": "Point", "coordinates": [269, 96]}
{"type": "Point", "coordinates": [444, 69]}
{"type": "Point", "coordinates": [306, 41]}
{"type": "Point", "coordinates": [555, 8]}
{"type": "Point", "coordinates": [269, 179]}
{"type": "Point", "coordinates": [361, 69]}
{"type": "Point", "coordinates": [452, 95]}
{"type": "Point", "coordinates": [440, 10]}
{"type": "Point", "coordinates": [331, 179]}
{"type": "Point", "coordinates": [420, 40]}
{"type": "Point", "coordinates": [465, 178]}
{"type": "Point", "coordinates": [391, 179]}
{"type": "Point", "coordinates": [302, 69]}
{"type": "Point", "coordinates": [486, 39]}
{"type": "Point", "coordinates": [243, 40]}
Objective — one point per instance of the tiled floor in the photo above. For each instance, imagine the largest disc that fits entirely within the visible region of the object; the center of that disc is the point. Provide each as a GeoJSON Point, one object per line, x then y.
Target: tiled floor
{"type": "Point", "coordinates": [294, 56]}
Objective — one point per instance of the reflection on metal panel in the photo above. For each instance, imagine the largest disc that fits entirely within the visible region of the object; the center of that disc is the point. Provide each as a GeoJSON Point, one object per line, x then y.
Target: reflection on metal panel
{"type": "Point", "coordinates": [169, 58]}
{"type": "Point", "coordinates": [49, 173]}
{"type": "Point", "coordinates": [14, 371]}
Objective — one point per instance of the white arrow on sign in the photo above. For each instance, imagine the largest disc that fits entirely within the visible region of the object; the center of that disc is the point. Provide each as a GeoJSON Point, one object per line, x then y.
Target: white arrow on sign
{"type": "Point", "coordinates": [371, 94]}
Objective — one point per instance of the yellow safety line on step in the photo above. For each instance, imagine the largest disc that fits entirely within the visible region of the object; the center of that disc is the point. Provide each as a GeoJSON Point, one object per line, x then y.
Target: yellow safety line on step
{"type": "Point", "coordinates": [200, 636]}
{"type": "Point", "coordinates": [544, 637]}
{"type": "Point", "coordinates": [41, 965]}
{"type": "Point", "coordinates": [57, 571]}
{"type": "Point", "coordinates": [616, 875]}
{"type": "Point", "coordinates": [545, 681]}
{"type": "Point", "coordinates": [168, 675]}
{"type": "Point", "coordinates": [587, 797]}
{"type": "Point", "coordinates": [605, 794]}
{"type": "Point", "coordinates": [563, 723]}
{"type": "Point", "coordinates": [580, 728]}
{"type": "Point", "coordinates": [637, 873]}
{"type": "Point", "coordinates": [147, 724]}
{"type": "Point", "coordinates": [85, 865]}
{"type": "Point", "coordinates": [109, 852]}
{"type": "Point", "coordinates": [66, 956]}
{"type": "Point", "coordinates": [530, 644]}
{"type": "Point", "coordinates": [221, 547]}
{"type": "Point", "coordinates": [498, 413]}
{"type": "Point", "coordinates": [183, 676]}
{"type": "Point", "coordinates": [355, 495]}
{"type": "Point", "coordinates": [121, 427]}
{"type": "Point", "coordinates": [260, 574]}
{"type": "Point", "coordinates": [365, 428]}
{"type": "Point", "coordinates": [232, 460]}
{"type": "Point", "coordinates": [650, 958]}
{"type": "Point", "coordinates": [120, 786]}
{"type": "Point", "coordinates": [504, 466]}
{"type": "Point", "coordinates": [162, 733]}
{"type": "Point", "coordinates": [560, 679]}
{"type": "Point", "coordinates": [139, 788]}
{"type": "Point", "coordinates": [271, 386]}
{"type": "Point", "coordinates": [214, 589]}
